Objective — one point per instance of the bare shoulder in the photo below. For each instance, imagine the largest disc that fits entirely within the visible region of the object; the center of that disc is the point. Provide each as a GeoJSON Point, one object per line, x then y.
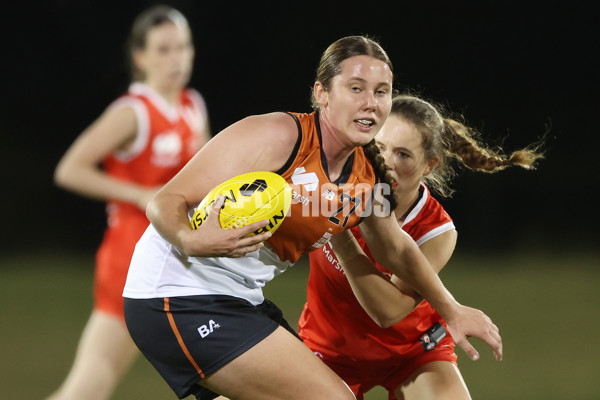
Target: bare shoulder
{"type": "Point", "coordinates": [119, 123]}
{"type": "Point", "coordinates": [112, 130]}
{"type": "Point", "coordinates": [273, 129]}
{"type": "Point", "coordinates": [266, 140]}
{"type": "Point", "coordinates": [446, 239]}
{"type": "Point", "coordinates": [255, 143]}
{"type": "Point", "coordinates": [439, 249]}
{"type": "Point", "coordinates": [121, 112]}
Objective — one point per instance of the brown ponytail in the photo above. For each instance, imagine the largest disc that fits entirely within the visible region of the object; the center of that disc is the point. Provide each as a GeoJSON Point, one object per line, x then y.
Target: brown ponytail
{"type": "Point", "coordinates": [372, 152]}
{"type": "Point", "coordinates": [448, 139]}
{"type": "Point", "coordinates": [463, 145]}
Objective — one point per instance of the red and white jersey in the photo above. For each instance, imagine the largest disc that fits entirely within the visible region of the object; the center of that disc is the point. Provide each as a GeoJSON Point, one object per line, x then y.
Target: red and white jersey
{"type": "Point", "coordinates": [333, 319]}
{"type": "Point", "coordinates": [320, 208]}
{"type": "Point", "coordinates": [167, 137]}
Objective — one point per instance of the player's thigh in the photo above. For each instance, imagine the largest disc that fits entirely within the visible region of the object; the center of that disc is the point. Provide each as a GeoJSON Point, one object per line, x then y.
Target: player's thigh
{"type": "Point", "coordinates": [278, 367]}
{"type": "Point", "coordinates": [106, 337]}
{"type": "Point", "coordinates": [104, 353]}
{"type": "Point", "coordinates": [438, 380]}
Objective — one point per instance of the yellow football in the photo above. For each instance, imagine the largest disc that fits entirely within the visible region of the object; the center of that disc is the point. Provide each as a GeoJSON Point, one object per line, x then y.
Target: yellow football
{"type": "Point", "coordinates": [249, 197]}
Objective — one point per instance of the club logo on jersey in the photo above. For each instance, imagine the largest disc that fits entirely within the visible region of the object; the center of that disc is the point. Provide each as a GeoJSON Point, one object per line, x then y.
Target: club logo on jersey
{"type": "Point", "coordinates": [166, 149]}
{"type": "Point", "coordinates": [309, 180]}
{"type": "Point", "coordinates": [329, 194]}
{"type": "Point", "coordinates": [323, 240]}
{"type": "Point", "coordinates": [205, 330]}
{"type": "Point", "coordinates": [433, 336]}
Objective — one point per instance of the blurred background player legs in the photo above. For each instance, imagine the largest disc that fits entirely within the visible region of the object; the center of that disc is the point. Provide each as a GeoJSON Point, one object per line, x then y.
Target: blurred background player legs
{"type": "Point", "coordinates": [105, 352]}
{"type": "Point", "coordinates": [140, 142]}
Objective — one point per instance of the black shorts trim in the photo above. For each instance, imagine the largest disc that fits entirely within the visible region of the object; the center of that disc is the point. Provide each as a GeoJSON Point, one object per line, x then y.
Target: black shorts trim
{"type": "Point", "coordinates": [187, 338]}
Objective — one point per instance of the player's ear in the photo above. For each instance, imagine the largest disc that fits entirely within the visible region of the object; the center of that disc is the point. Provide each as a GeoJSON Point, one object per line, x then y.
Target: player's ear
{"type": "Point", "coordinates": [431, 164]}
{"type": "Point", "coordinates": [321, 95]}
{"type": "Point", "coordinates": [138, 59]}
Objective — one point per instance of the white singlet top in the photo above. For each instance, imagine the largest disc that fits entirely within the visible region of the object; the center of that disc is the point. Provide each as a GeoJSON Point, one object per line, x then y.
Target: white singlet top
{"type": "Point", "coordinates": [179, 275]}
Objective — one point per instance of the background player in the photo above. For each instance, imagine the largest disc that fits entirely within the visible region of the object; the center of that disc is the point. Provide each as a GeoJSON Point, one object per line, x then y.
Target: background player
{"type": "Point", "coordinates": [142, 140]}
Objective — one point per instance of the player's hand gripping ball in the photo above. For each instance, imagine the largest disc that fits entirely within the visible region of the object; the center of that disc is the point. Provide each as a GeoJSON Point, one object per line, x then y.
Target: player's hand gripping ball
{"type": "Point", "coordinates": [249, 197]}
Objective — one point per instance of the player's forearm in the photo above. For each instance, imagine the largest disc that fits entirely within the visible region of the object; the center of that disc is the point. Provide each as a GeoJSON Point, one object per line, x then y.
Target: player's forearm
{"type": "Point", "coordinates": [96, 184]}
{"type": "Point", "coordinates": [413, 268]}
{"type": "Point", "coordinates": [398, 253]}
{"type": "Point", "coordinates": [168, 214]}
{"type": "Point", "coordinates": [380, 298]}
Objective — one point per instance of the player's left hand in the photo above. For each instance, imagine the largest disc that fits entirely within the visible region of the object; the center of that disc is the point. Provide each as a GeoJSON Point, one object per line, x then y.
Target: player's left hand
{"type": "Point", "coordinates": [472, 322]}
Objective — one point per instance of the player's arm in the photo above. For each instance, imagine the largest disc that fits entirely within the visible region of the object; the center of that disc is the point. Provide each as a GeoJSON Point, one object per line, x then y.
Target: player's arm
{"type": "Point", "coordinates": [399, 254]}
{"type": "Point", "coordinates": [386, 301]}
{"type": "Point", "coordinates": [438, 252]}
{"type": "Point", "coordinates": [257, 143]}
{"type": "Point", "coordinates": [202, 131]}
{"type": "Point", "coordinates": [204, 135]}
{"type": "Point", "coordinates": [79, 169]}
{"type": "Point", "coordinates": [377, 295]}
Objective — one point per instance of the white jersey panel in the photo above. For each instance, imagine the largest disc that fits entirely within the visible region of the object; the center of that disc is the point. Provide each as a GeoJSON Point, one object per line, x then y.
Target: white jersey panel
{"type": "Point", "coordinates": [179, 275]}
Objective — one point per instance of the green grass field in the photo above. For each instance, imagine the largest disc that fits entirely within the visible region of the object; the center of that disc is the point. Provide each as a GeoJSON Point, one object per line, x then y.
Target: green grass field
{"type": "Point", "coordinates": [546, 305]}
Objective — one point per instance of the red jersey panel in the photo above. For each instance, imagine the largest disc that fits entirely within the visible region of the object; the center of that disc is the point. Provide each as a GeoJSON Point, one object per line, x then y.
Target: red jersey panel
{"type": "Point", "coordinates": [333, 321]}
{"type": "Point", "coordinates": [166, 139]}
{"type": "Point", "coordinates": [331, 206]}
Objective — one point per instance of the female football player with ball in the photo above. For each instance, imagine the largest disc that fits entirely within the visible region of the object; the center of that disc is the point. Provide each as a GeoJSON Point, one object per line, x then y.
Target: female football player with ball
{"type": "Point", "coordinates": [143, 139]}
{"type": "Point", "coordinates": [397, 341]}
{"type": "Point", "coordinates": [193, 298]}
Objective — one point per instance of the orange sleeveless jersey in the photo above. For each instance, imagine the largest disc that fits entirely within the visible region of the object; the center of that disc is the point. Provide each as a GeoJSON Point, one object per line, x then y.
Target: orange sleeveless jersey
{"type": "Point", "coordinates": [335, 326]}
{"type": "Point", "coordinates": [320, 208]}
{"type": "Point", "coordinates": [166, 139]}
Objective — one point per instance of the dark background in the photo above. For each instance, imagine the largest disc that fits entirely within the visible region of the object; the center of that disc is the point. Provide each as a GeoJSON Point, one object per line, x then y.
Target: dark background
{"type": "Point", "coordinates": [528, 251]}
{"type": "Point", "coordinates": [511, 68]}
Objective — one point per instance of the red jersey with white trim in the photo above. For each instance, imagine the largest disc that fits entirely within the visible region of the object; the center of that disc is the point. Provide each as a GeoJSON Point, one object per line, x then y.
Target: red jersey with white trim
{"type": "Point", "coordinates": [330, 206]}
{"type": "Point", "coordinates": [333, 321]}
{"type": "Point", "coordinates": [167, 137]}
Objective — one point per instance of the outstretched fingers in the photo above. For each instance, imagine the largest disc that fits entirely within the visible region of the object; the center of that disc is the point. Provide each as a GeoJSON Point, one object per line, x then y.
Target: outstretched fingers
{"type": "Point", "coordinates": [476, 323]}
{"type": "Point", "coordinates": [468, 348]}
{"type": "Point", "coordinates": [491, 336]}
{"type": "Point", "coordinates": [494, 340]}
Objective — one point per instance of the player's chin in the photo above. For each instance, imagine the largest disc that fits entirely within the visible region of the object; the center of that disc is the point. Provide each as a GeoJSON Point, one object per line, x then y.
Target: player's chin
{"type": "Point", "coordinates": [178, 79]}
{"type": "Point", "coordinates": [362, 138]}
{"type": "Point", "coordinates": [366, 133]}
